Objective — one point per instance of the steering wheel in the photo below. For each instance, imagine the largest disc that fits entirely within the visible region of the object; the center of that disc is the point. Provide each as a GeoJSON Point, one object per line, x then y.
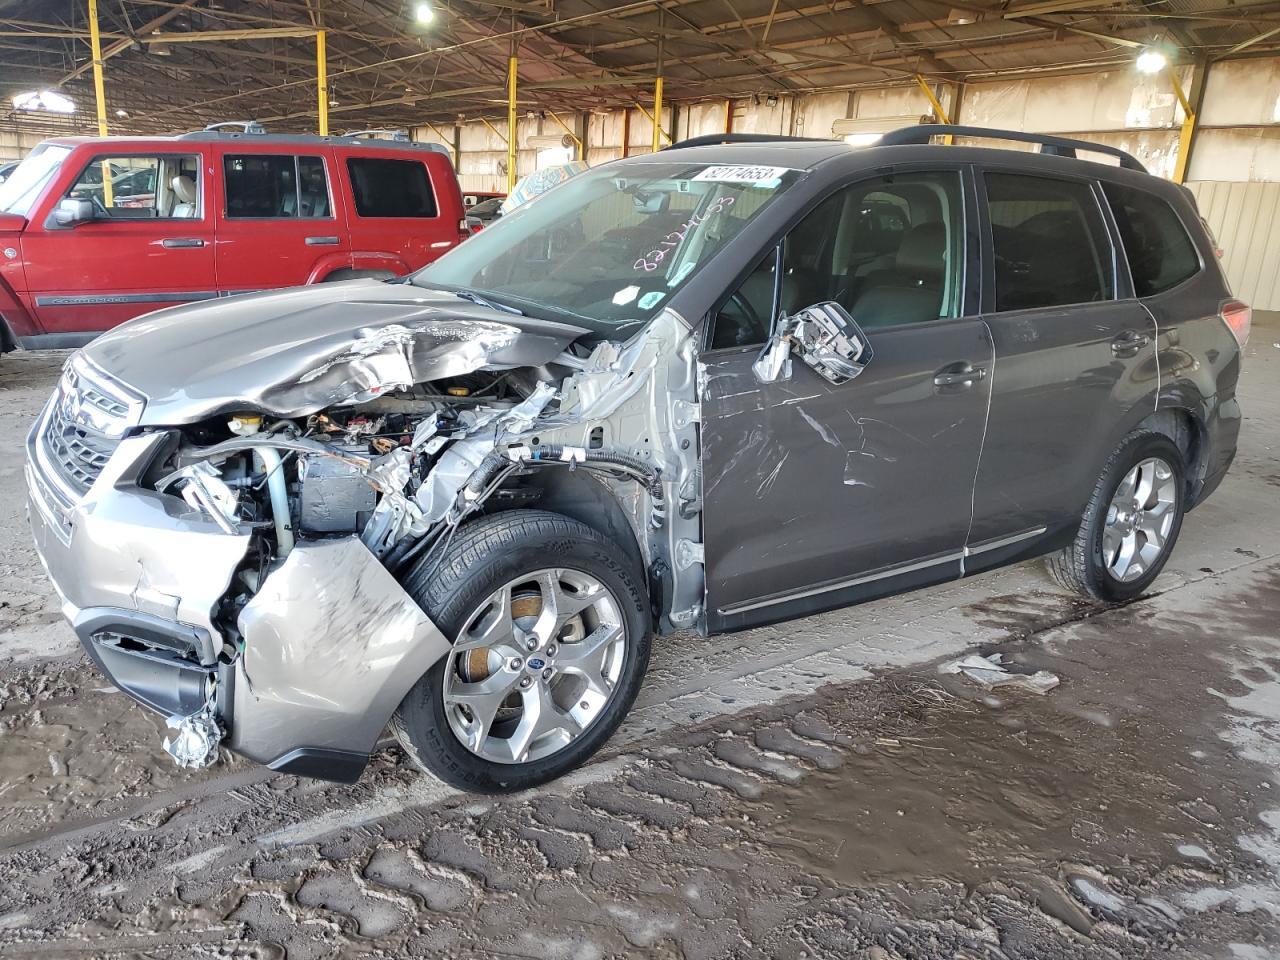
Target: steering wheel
{"type": "Point", "coordinates": [751, 315]}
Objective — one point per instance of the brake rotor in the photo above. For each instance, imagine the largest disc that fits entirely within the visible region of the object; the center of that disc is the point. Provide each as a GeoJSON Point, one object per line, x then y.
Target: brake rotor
{"type": "Point", "coordinates": [477, 664]}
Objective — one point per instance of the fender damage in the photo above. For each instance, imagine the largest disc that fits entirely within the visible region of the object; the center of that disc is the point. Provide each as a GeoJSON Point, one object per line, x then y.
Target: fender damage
{"type": "Point", "coordinates": [356, 456]}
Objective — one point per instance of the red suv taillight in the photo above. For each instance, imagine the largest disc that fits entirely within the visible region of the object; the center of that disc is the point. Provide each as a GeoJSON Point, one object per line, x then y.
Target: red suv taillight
{"type": "Point", "coordinates": [1239, 320]}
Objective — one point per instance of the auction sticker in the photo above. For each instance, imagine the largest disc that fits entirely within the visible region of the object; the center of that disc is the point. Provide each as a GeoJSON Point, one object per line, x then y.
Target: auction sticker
{"type": "Point", "coordinates": [742, 173]}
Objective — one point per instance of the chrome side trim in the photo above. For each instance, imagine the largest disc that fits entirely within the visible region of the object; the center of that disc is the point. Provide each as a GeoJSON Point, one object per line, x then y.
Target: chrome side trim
{"type": "Point", "coordinates": [882, 574]}
{"type": "Point", "coordinates": [999, 542]}
{"type": "Point", "coordinates": [99, 299]}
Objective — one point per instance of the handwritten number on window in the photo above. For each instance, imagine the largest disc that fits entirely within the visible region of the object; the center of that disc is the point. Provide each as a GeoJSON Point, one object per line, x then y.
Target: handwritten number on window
{"type": "Point", "coordinates": [654, 258]}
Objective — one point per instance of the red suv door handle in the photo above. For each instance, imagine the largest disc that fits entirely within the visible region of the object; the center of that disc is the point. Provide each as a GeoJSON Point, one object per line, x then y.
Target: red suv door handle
{"type": "Point", "coordinates": [322, 241]}
{"type": "Point", "coordinates": [172, 243]}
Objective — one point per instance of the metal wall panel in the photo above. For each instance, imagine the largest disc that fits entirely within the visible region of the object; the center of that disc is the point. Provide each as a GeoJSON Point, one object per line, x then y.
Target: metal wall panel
{"type": "Point", "coordinates": [1245, 219]}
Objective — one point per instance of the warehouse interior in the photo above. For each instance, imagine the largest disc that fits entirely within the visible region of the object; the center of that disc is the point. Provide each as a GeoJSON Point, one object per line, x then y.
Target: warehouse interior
{"type": "Point", "coordinates": [590, 72]}
{"type": "Point", "coordinates": [844, 784]}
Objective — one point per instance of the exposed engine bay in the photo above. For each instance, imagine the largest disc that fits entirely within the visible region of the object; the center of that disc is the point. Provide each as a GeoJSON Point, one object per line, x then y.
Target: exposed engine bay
{"type": "Point", "coordinates": [402, 470]}
{"type": "Point", "coordinates": [240, 564]}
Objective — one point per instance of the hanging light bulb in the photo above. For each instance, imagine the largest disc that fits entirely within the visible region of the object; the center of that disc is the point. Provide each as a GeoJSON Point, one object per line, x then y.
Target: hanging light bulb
{"type": "Point", "coordinates": [1151, 60]}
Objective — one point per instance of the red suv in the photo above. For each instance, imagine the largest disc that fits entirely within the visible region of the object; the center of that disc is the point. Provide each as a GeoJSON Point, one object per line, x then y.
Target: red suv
{"type": "Point", "coordinates": [95, 231]}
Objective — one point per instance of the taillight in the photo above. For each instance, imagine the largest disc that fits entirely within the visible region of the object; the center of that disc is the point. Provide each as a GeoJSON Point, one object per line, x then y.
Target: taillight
{"type": "Point", "coordinates": [1239, 320]}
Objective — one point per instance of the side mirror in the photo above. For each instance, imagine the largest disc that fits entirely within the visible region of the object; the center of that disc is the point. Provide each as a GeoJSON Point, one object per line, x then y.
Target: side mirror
{"type": "Point", "coordinates": [824, 336]}
{"type": "Point", "coordinates": [71, 211]}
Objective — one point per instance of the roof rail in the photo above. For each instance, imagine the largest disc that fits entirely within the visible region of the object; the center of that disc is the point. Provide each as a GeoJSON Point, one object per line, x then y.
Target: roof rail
{"type": "Point", "coordinates": [712, 139]}
{"type": "Point", "coordinates": [1054, 146]}
{"type": "Point", "coordinates": [244, 126]}
{"type": "Point", "coordinates": [398, 135]}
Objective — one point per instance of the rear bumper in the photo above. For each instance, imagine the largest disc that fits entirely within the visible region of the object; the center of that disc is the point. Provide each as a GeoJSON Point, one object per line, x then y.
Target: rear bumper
{"type": "Point", "coordinates": [328, 647]}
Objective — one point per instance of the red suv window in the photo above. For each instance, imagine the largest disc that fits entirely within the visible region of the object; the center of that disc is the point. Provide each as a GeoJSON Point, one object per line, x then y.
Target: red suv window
{"type": "Point", "coordinates": [391, 188]}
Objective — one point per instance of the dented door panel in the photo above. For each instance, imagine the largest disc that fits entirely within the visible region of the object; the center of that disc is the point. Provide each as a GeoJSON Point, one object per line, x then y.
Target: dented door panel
{"type": "Point", "coordinates": [809, 485]}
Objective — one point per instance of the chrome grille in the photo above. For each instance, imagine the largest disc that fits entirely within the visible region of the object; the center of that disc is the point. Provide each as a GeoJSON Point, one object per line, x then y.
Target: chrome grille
{"type": "Point", "coordinates": [77, 454]}
{"type": "Point", "coordinates": [81, 428]}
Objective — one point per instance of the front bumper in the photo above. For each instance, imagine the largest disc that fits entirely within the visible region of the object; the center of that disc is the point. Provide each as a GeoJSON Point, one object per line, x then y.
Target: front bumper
{"type": "Point", "coordinates": [329, 645]}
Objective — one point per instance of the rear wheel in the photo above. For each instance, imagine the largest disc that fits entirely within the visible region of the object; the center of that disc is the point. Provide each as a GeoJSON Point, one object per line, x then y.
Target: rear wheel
{"type": "Point", "coordinates": [550, 644]}
{"type": "Point", "coordinates": [1131, 523]}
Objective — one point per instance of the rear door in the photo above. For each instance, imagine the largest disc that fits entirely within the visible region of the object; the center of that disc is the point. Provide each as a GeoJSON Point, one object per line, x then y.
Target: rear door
{"type": "Point", "coordinates": [815, 494]}
{"type": "Point", "coordinates": [150, 244]}
{"type": "Point", "coordinates": [404, 205]}
{"type": "Point", "coordinates": [277, 222]}
{"type": "Point", "coordinates": [1075, 353]}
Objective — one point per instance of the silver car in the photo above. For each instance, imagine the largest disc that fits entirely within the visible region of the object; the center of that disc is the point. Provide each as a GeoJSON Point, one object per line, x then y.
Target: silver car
{"type": "Point", "coordinates": [723, 385]}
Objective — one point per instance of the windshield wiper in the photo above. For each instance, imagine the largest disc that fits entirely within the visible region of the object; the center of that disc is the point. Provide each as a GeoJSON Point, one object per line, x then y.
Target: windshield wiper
{"type": "Point", "coordinates": [486, 302]}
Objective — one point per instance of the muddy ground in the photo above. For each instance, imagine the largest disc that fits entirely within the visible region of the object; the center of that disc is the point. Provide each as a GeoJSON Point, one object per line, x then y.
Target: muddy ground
{"type": "Point", "coordinates": [814, 789]}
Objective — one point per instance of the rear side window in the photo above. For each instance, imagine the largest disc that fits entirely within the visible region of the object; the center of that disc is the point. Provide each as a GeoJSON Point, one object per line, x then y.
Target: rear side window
{"type": "Point", "coordinates": [1160, 253]}
{"type": "Point", "coordinates": [268, 186]}
{"type": "Point", "coordinates": [1051, 246]}
{"type": "Point", "coordinates": [391, 188]}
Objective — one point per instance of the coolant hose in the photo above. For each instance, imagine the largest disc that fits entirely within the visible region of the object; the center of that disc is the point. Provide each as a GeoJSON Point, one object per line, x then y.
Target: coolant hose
{"type": "Point", "coordinates": [269, 459]}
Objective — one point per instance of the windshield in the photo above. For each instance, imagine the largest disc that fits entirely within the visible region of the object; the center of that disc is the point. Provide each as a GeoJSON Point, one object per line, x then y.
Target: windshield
{"type": "Point", "coordinates": [20, 191]}
{"type": "Point", "coordinates": [607, 249]}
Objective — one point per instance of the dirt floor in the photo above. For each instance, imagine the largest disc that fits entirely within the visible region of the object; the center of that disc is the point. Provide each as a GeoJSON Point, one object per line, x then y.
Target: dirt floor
{"type": "Point", "coordinates": [814, 789]}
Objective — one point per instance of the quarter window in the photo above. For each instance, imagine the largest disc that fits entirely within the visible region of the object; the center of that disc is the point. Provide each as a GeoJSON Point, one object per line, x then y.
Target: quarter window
{"type": "Point", "coordinates": [1160, 253]}
{"type": "Point", "coordinates": [268, 186]}
{"type": "Point", "coordinates": [391, 188]}
{"type": "Point", "coordinates": [141, 188]}
{"type": "Point", "coordinates": [1050, 243]}
{"type": "Point", "coordinates": [888, 250]}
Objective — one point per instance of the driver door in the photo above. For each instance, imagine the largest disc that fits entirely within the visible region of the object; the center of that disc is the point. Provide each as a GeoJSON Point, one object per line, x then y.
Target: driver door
{"type": "Point", "coordinates": [145, 248]}
{"type": "Point", "coordinates": [817, 495]}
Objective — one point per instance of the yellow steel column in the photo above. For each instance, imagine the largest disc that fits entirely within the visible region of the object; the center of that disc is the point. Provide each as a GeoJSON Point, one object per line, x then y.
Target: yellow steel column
{"type": "Point", "coordinates": [98, 92]}
{"type": "Point", "coordinates": [512, 150]}
{"type": "Point", "coordinates": [657, 114]}
{"type": "Point", "coordinates": [322, 83]}
{"type": "Point", "coordinates": [1188, 128]}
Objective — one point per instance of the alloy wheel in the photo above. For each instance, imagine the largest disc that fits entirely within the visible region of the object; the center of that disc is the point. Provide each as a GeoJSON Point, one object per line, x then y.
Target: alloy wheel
{"type": "Point", "coordinates": [535, 666]}
{"type": "Point", "coordinates": [1139, 519]}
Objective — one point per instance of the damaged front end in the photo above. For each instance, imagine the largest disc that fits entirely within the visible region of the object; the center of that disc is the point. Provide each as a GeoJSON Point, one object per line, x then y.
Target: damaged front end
{"type": "Point", "coordinates": [233, 559]}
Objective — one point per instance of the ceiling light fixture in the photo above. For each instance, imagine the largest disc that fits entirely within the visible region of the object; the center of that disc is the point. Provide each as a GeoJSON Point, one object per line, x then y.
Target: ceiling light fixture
{"type": "Point", "coordinates": [423, 13]}
{"type": "Point", "coordinates": [44, 100]}
{"type": "Point", "coordinates": [1151, 60]}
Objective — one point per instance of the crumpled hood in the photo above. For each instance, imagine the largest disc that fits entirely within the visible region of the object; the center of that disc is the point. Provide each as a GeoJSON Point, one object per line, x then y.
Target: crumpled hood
{"type": "Point", "coordinates": [294, 352]}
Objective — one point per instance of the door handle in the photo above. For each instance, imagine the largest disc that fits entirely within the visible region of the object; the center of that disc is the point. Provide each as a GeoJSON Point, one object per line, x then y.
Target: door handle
{"type": "Point", "coordinates": [173, 243]}
{"type": "Point", "coordinates": [959, 374]}
{"type": "Point", "coordinates": [1128, 343]}
{"type": "Point", "coordinates": [322, 241]}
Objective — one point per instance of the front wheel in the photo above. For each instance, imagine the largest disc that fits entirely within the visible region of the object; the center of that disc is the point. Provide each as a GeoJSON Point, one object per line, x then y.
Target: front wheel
{"type": "Point", "coordinates": [1131, 523]}
{"type": "Point", "coordinates": [550, 643]}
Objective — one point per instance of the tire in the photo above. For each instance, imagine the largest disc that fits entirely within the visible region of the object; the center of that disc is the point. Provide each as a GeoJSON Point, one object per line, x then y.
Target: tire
{"type": "Point", "coordinates": [489, 555]}
{"type": "Point", "coordinates": [1085, 566]}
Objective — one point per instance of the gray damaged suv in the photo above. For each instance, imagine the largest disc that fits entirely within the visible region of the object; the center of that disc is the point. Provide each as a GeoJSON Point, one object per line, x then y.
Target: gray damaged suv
{"type": "Point", "coordinates": [720, 386]}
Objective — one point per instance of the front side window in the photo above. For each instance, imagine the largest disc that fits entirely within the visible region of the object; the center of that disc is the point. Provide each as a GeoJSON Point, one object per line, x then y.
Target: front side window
{"type": "Point", "coordinates": [888, 250]}
{"type": "Point", "coordinates": [269, 186]}
{"type": "Point", "coordinates": [391, 188]}
{"type": "Point", "coordinates": [608, 248]}
{"type": "Point", "coordinates": [140, 188]}
{"type": "Point", "coordinates": [19, 191]}
{"type": "Point", "coordinates": [1050, 243]}
{"type": "Point", "coordinates": [1160, 253]}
